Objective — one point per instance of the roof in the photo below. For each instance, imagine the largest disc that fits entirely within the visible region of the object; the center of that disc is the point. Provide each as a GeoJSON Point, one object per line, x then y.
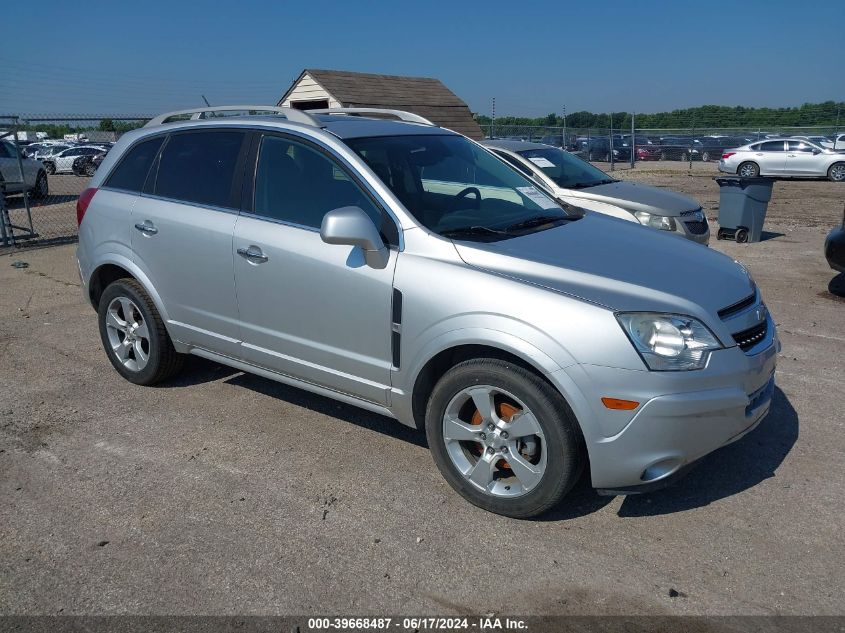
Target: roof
{"type": "Point", "coordinates": [516, 146]}
{"type": "Point", "coordinates": [425, 96]}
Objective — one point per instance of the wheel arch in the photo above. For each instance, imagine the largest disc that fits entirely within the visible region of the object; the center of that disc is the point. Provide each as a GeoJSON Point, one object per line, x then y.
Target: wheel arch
{"type": "Point", "coordinates": [441, 360]}
{"type": "Point", "coordinates": [117, 267]}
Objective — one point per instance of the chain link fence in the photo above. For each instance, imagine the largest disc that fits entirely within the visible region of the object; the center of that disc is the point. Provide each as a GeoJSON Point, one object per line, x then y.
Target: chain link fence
{"type": "Point", "coordinates": [45, 163]}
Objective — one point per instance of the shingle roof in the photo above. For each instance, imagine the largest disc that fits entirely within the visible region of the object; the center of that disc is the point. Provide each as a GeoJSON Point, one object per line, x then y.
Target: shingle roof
{"type": "Point", "coordinates": [421, 95]}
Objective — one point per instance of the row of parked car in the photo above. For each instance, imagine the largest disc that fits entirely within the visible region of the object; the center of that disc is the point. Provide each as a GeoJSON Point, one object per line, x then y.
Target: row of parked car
{"type": "Point", "coordinates": [67, 157]}
{"type": "Point", "coordinates": [671, 147]}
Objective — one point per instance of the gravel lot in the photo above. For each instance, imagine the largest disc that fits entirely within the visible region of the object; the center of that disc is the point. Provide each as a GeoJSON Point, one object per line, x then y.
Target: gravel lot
{"type": "Point", "coordinates": [226, 493]}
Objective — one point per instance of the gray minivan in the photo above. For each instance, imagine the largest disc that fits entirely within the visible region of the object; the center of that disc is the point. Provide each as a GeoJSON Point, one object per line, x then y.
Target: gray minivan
{"type": "Point", "coordinates": [403, 268]}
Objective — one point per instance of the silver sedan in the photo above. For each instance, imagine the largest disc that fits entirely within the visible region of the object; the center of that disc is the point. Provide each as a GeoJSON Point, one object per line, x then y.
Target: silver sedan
{"type": "Point", "coordinates": [784, 157]}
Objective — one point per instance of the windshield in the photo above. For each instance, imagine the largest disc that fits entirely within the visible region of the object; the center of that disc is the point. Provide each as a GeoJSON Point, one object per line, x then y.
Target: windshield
{"type": "Point", "coordinates": [566, 170]}
{"type": "Point", "coordinates": [457, 189]}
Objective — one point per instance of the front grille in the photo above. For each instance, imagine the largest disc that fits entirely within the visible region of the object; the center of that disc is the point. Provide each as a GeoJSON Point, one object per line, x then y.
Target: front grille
{"type": "Point", "coordinates": [750, 337]}
{"type": "Point", "coordinates": [696, 228]}
{"type": "Point", "coordinates": [739, 306]}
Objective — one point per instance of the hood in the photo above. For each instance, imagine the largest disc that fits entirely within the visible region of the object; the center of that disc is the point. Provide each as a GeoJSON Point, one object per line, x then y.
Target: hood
{"type": "Point", "coordinates": [636, 197]}
{"type": "Point", "coordinates": [618, 264]}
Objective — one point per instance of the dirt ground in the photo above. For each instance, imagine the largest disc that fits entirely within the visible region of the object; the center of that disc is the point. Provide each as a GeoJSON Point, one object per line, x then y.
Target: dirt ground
{"type": "Point", "coordinates": [224, 493]}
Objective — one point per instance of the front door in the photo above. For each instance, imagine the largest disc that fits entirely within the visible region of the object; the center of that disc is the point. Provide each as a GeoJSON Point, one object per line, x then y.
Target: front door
{"type": "Point", "coordinates": [801, 161]}
{"type": "Point", "coordinates": [308, 309]}
{"type": "Point", "coordinates": [182, 235]}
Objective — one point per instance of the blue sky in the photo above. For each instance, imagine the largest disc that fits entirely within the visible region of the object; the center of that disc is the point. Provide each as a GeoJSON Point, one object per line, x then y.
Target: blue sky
{"type": "Point", "coordinates": [534, 57]}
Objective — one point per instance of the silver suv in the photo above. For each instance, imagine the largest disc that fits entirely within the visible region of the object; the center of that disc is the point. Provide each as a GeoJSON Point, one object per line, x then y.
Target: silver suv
{"type": "Point", "coordinates": [403, 268]}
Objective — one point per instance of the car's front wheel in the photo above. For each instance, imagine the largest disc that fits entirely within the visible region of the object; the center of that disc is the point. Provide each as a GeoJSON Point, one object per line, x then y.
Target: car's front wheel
{"type": "Point", "coordinates": [836, 173]}
{"type": "Point", "coordinates": [134, 335]}
{"type": "Point", "coordinates": [503, 438]}
{"type": "Point", "coordinates": [42, 188]}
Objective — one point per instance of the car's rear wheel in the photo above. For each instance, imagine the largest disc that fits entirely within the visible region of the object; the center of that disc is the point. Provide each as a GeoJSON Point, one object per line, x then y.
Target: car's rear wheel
{"type": "Point", "coordinates": [503, 438]}
{"type": "Point", "coordinates": [836, 173]}
{"type": "Point", "coordinates": [705, 157]}
{"type": "Point", "coordinates": [134, 335]}
{"type": "Point", "coordinates": [748, 170]}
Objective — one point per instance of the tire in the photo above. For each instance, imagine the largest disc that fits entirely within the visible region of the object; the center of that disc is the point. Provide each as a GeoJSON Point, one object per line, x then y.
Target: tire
{"type": "Point", "coordinates": [705, 157]}
{"type": "Point", "coordinates": [50, 168]}
{"type": "Point", "coordinates": [836, 172]}
{"type": "Point", "coordinates": [549, 462]}
{"type": "Point", "coordinates": [126, 311]}
{"type": "Point", "coordinates": [741, 236]}
{"type": "Point", "coordinates": [42, 187]}
{"type": "Point", "coordinates": [90, 169]}
{"type": "Point", "coordinates": [590, 157]}
{"type": "Point", "coordinates": [748, 170]}
{"type": "Point", "coordinates": [684, 157]}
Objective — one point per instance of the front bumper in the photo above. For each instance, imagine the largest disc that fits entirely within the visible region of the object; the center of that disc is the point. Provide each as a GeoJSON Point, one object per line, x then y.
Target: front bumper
{"type": "Point", "coordinates": [674, 427]}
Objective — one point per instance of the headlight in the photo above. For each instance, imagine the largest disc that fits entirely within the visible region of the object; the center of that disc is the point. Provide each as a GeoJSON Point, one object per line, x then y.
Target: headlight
{"type": "Point", "coordinates": [662, 222]}
{"type": "Point", "coordinates": [669, 342]}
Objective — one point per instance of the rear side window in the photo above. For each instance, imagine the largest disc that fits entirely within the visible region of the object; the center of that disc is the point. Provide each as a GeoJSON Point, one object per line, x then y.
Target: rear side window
{"type": "Point", "coordinates": [772, 146]}
{"type": "Point", "coordinates": [199, 167]}
{"type": "Point", "coordinates": [131, 172]}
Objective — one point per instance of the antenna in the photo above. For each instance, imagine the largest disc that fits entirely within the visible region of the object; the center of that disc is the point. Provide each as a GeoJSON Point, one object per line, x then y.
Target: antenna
{"type": "Point", "coordinates": [206, 101]}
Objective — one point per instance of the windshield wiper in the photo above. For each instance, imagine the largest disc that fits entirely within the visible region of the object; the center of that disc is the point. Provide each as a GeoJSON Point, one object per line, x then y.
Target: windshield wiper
{"type": "Point", "coordinates": [584, 185]}
{"type": "Point", "coordinates": [471, 230]}
{"type": "Point", "coordinates": [535, 221]}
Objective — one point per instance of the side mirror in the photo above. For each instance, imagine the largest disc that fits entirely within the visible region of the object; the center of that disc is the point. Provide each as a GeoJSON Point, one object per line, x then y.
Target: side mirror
{"type": "Point", "coordinates": [816, 151]}
{"type": "Point", "coordinates": [352, 227]}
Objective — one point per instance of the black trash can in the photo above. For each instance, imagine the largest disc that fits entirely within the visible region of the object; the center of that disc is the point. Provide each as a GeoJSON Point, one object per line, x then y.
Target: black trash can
{"type": "Point", "coordinates": [742, 207]}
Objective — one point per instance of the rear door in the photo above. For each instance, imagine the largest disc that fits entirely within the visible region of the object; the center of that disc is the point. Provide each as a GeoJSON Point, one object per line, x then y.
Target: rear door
{"type": "Point", "coordinates": [801, 161]}
{"type": "Point", "coordinates": [182, 228]}
{"type": "Point", "coordinates": [308, 309]}
{"type": "Point", "coordinates": [771, 158]}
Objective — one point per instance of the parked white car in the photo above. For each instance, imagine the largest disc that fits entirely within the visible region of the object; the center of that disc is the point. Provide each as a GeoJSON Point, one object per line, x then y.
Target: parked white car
{"type": "Point", "coordinates": [579, 183]}
{"type": "Point", "coordinates": [838, 143]}
{"type": "Point", "coordinates": [62, 162]}
{"type": "Point", "coordinates": [34, 177]}
{"type": "Point", "coordinates": [784, 157]}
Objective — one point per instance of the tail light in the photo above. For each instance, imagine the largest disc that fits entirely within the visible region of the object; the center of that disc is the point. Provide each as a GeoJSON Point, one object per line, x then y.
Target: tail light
{"type": "Point", "coordinates": [727, 155]}
{"type": "Point", "coordinates": [82, 203]}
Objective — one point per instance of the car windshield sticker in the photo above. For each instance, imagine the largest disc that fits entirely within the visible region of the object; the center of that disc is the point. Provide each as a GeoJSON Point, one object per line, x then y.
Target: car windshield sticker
{"type": "Point", "coordinates": [537, 196]}
{"type": "Point", "coordinates": [541, 162]}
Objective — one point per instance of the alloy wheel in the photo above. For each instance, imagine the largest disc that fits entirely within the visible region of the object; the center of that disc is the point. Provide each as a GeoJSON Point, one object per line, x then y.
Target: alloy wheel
{"type": "Point", "coordinates": [747, 171]}
{"type": "Point", "coordinates": [494, 441]}
{"type": "Point", "coordinates": [128, 334]}
{"type": "Point", "coordinates": [837, 173]}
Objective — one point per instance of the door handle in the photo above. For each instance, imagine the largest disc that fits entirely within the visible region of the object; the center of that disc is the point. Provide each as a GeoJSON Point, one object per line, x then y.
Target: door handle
{"type": "Point", "coordinates": [146, 227]}
{"type": "Point", "coordinates": [253, 253]}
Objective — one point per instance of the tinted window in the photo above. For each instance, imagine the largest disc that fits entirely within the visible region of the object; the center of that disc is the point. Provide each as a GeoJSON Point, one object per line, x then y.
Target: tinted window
{"type": "Point", "coordinates": [199, 167]}
{"type": "Point", "coordinates": [132, 170]}
{"type": "Point", "coordinates": [295, 183]}
{"type": "Point", "coordinates": [5, 151]}
{"type": "Point", "coordinates": [772, 146]}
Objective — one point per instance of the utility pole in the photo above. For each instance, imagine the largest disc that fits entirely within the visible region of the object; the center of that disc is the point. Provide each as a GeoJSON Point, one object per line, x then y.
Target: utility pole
{"type": "Point", "coordinates": [633, 142]}
{"type": "Point", "coordinates": [610, 141]}
{"type": "Point", "coordinates": [563, 136]}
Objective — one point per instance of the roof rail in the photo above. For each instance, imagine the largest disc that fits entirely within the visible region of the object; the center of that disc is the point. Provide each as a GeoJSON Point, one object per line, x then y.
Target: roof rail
{"type": "Point", "coordinates": [399, 114]}
{"type": "Point", "coordinates": [291, 114]}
